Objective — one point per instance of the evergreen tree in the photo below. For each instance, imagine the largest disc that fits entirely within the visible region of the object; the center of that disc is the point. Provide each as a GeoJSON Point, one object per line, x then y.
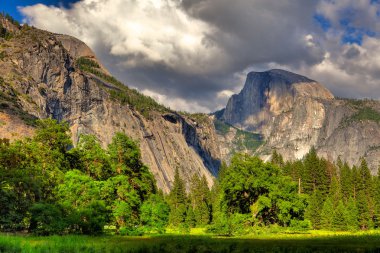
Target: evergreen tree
{"type": "Point", "coordinates": [327, 214]}
{"type": "Point", "coordinates": [315, 174]}
{"type": "Point", "coordinates": [351, 215]}
{"type": "Point", "coordinates": [177, 200]}
{"type": "Point", "coordinates": [313, 211]}
{"type": "Point", "coordinates": [364, 177]}
{"type": "Point", "coordinates": [376, 198]}
{"type": "Point", "coordinates": [335, 191]}
{"type": "Point", "coordinates": [355, 177]}
{"type": "Point", "coordinates": [338, 220]}
{"type": "Point", "coordinates": [345, 176]}
{"type": "Point", "coordinates": [363, 210]}
{"type": "Point", "coordinates": [277, 159]}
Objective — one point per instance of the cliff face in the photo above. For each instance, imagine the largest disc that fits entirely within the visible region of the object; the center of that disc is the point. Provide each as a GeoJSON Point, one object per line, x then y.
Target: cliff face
{"type": "Point", "coordinates": [40, 78]}
{"type": "Point", "coordinates": [294, 113]}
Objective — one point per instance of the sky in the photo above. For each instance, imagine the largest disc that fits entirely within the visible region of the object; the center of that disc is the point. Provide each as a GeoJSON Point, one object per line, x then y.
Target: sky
{"type": "Point", "coordinates": [192, 55]}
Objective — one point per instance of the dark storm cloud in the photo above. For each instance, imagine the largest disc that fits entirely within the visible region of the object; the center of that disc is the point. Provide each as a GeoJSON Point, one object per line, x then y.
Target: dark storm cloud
{"type": "Point", "coordinates": [193, 54]}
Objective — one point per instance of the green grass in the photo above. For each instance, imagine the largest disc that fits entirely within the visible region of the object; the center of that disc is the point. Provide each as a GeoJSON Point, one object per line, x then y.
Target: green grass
{"type": "Point", "coordinates": [312, 242]}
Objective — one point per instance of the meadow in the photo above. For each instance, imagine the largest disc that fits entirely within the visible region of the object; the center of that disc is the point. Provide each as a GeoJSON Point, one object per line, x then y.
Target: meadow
{"type": "Point", "coordinates": [313, 241]}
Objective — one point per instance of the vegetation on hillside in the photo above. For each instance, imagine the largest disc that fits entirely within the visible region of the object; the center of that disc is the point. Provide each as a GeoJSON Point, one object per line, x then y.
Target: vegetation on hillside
{"type": "Point", "coordinates": [121, 93]}
{"type": "Point", "coordinates": [243, 140]}
{"type": "Point", "coordinates": [364, 112]}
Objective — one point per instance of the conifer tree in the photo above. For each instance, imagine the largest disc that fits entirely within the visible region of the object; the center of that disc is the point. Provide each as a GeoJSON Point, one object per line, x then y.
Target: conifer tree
{"type": "Point", "coordinates": [327, 214]}
{"type": "Point", "coordinates": [200, 200]}
{"type": "Point", "coordinates": [364, 177]}
{"type": "Point", "coordinates": [177, 201]}
{"type": "Point", "coordinates": [338, 220]}
{"type": "Point", "coordinates": [345, 176]}
{"type": "Point", "coordinates": [376, 198]}
{"type": "Point", "coordinates": [363, 209]}
{"type": "Point", "coordinates": [313, 211]}
{"type": "Point", "coordinates": [355, 181]}
{"type": "Point", "coordinates": [335, 191]}
{"type": "Point", "coordinates": [315, 174]}
{"type": "Point", "coordinates": [351, 215]}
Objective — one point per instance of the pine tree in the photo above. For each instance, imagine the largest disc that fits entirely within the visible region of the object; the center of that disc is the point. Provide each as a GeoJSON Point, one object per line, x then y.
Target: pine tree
{"type": "Point", "coordinates": [376, 198]}
{"type": "Point", "coordinates": [355, 179]}
{"type": "Point", "coordinates": [335, 191]}
{"type": "Point", "coordinates": [345, 176]}
{"type": "Point", "coordinates": [200, 200]}
{"type": "Point", "coordinates": [338, 220]}
{"type": "Point", "coordinates": [327, 214]}
{"type": "Point", "coordinates": [351, 215]}
{"type": "Point", "coordinates": [364, 177]}
{"type": "Point", "coordinates": [363, 209]}
{"type": "Point", "coordinates": [177, 201]}
{"type": "Point", "coordinates": [313, 212]}
{"type": "Point", "coordinates": [315, 176]}
{"type": "Point", "coordinates": [277, 159]}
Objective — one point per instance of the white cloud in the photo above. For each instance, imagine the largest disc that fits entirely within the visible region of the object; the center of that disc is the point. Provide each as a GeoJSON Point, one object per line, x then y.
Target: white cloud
{"type": "Point", "coordinates": [177, 103]}
{"type": "Point", "coordinates": [192, 54]}
{"type": "Point", "coordinates": [156, 30]}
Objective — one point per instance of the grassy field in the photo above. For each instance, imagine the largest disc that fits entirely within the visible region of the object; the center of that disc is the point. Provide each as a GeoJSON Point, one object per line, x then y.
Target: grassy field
{"type": "Point", "coordinates": [306, 242]}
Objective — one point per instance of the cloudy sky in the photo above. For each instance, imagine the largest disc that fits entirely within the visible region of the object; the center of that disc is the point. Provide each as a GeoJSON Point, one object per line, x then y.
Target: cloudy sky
{"type": "Point", "coordinates": [193, 54]}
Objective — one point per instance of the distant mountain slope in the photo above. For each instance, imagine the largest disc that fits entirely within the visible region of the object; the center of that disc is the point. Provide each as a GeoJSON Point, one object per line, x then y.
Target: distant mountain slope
{"type": "Point", "coordinates": [294, 113]}
{"type": "Point", "coordinates": [49, 75]}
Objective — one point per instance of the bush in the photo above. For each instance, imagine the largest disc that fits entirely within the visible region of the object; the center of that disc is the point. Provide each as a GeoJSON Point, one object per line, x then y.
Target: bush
{"type": "Point", "coordinates": [300, 225]}
{"type": "Point", "coordinates": [89, 220]}
{"type": "Point", "coordinates": [46, 219]}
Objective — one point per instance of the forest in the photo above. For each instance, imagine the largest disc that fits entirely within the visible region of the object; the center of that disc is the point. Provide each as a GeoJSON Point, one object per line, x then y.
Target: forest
{"type": "Point", "coordinates": [49, 187]}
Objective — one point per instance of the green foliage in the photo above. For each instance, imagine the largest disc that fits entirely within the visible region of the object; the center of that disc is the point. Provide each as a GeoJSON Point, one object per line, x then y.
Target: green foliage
{"type": "Point", "coordinates": [313, 211]}
{"type": "Point", "coordinates": [200, 201]}
{"type": "Point", "coordinates": [366, 113]}
{"type": "Point", "coordinates": [122, 93]}
{"type": "Point", "coordinates": [338, 219]}
{"type": "Point", "coordinates": [248, 140]}
{"type": "Point", "coordinates": [155, 213]}
{"type": "Point", "coordinates": [250, 186]}
{"type": "Point", "coordinates": [46, 219]}
{"type": "Point", "coordinates": [327, 214]}
{"type": "Point", "coordinates": [221, 127]}
{"type": "Point", "coordinates": [177, 200]}
{"type": "Point", "coordinates": [84, 63]}
{"type": "Point", "coordinates": [41, 191]}
{"type": "Point", "coordinates": [351, 215]}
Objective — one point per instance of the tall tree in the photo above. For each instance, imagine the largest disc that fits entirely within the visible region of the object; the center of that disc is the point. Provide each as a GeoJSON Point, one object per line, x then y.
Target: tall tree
{"type": "Point", "coordinates": [345, 176]}
{"type": "Point", "coordinates": [338, 220]}
{"type": "Point", "coordinates": [327, 214]}
{"type": "Point", "coordinates": [200, 200]}
{"type": "Point", "coordinates": [177, 200]}
{"type": "Point", "coordinates": [363, 210]}
{"type": "Point", "coordinates": [351, 215]}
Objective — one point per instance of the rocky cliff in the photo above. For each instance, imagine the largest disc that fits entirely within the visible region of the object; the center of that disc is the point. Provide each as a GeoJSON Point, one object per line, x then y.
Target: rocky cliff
{"type": "Point", "coordinates": [49, 75]}
{"type": "Point", "coordinates": [294, 113]}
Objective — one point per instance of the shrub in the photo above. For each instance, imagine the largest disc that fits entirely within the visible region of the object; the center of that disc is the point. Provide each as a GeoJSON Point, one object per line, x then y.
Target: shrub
{"type": "Point", "coordinates": [46, 219]}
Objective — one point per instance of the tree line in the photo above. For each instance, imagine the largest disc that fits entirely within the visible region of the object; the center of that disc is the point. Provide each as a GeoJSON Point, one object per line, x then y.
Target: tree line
{"type": "Point", "coordinates": [47, 186]}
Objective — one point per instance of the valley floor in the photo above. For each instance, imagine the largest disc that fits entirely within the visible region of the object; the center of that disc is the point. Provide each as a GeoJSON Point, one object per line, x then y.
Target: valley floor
{"type": "Point", "coordinates": [311, 241]}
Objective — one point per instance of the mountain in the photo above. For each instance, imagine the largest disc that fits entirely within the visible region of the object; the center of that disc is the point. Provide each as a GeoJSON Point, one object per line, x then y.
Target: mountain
{"type": "Point", "coordinates": [51, 75]}
{"type": "Point", "coordinates": [294, 113]}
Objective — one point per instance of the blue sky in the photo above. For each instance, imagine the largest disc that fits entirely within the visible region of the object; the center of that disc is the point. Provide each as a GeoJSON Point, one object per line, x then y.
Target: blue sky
{"type": "Point", "coordinates": [11, 6]}
{"type": "Point", "coordinates": [193, 54]}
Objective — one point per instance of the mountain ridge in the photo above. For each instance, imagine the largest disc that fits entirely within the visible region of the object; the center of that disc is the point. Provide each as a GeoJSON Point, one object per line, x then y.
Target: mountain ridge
{"type": "Point", "coordinates": [295, 113]}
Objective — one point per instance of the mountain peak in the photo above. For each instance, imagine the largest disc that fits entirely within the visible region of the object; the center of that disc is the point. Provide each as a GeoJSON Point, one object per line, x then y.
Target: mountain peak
{"type": "Point", "coordinates": [270, 93]}
{"type": "Point", "coordinates": [278, 75]}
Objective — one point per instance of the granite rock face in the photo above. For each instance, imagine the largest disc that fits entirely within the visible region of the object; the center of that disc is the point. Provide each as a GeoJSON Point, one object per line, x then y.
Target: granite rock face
{"type": "Point", "coordinates": [294, 113]}
{"type": "Point", "coordinates": [40, 78]}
